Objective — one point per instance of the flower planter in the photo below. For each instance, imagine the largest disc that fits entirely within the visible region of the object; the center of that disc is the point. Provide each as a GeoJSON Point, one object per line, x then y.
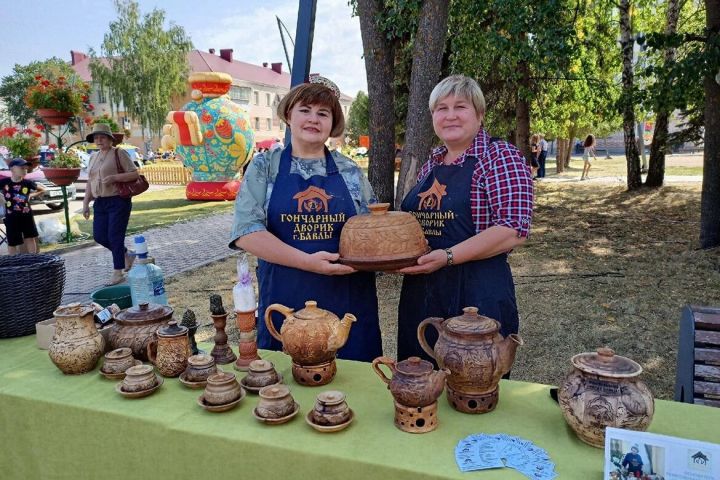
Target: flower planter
{"type": "Point", "coordinates": [61, 177]}
{"type": "Point", "coordinates": [54, 117]}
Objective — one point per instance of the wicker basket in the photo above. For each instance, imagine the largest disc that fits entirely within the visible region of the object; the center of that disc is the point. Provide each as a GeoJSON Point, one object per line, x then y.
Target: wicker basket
{"type": "Point", "coordinates": [31, 288]}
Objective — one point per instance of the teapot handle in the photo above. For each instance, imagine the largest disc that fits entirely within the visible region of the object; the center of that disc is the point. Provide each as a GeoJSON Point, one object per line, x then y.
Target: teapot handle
{"type": "Point", "coordinates": [389, 362]}
{"type": "Point", "coordinates": [435, 322]}
{"type": "Point", "coordinates": [275, 307]}
{"type": "Point", "coordinates": [152, 351]}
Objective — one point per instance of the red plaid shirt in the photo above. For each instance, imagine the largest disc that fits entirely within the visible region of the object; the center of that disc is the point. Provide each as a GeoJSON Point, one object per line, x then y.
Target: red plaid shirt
{"type": "Point", "coordinates": [502, 189]}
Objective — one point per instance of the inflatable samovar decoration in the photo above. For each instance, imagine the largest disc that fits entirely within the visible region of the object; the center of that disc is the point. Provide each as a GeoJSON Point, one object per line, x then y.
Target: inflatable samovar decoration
{"type": "Point", "coordinates": [212, 135]}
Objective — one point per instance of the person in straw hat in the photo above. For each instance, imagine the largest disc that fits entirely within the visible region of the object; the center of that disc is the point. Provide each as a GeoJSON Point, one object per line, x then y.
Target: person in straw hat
{"type": "Point", "coordinates": [111, 212]}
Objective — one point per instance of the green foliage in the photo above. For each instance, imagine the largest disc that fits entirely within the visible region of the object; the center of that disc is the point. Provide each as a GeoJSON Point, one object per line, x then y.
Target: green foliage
{"type": "Point", "coordinates": [107, 119]}
{"type": "Point", "coordinates": [144, 64]}
{"type": "Point", "coordinates": [21, 143]}
{"type": "Point", "coordinates": [61, 94]}
{"type": "Point", "coordinates": [358, 117]}
{"type": "Point", "coordinates": [65, 160]}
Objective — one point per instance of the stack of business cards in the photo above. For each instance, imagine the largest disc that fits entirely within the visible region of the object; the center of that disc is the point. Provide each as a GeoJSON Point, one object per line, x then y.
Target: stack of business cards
{"type": "Point", "coordinates": [482, 451]}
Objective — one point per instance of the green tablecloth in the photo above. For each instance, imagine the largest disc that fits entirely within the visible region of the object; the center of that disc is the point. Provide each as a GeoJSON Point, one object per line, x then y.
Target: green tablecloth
{"type": "Point", "coordinates": [57, 426]}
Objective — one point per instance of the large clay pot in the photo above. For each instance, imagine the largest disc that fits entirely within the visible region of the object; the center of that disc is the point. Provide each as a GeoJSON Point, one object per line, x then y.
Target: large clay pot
{"type": "Point", "coordinates": [382, 240]}
{"type": "Point", "coordinates": [471, 347]}
{"type": "Point", "coordinates": [414, 383]}
{"type": "Point", "coordinates": [171, 350]}
{"type": "Point", "coordinates": [77, 345]}
{"type": "Point", "coordinates": [603, 390]}
{"type": "Point", "coordinates": [136, 327]}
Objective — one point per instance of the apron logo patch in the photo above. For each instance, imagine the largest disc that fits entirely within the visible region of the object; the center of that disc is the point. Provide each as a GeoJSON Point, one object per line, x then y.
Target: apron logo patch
{"type": "Point", "coordinates": [431, 199]}
{"type": "Point", "coordinates": [312, 200]}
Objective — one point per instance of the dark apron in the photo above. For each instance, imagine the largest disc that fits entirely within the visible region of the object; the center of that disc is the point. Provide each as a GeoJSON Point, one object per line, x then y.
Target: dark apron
{"type": "Point", "coordinates": [441, 203]}
{"type": "Point", "coordinates": [309, 215]}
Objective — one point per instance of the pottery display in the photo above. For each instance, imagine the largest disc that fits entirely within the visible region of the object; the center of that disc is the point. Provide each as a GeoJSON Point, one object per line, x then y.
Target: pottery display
{"type": "Point", "coordinates": [139, 378]}
{"type": "Point", "coordinates": [136, 327]}
{"type": "Point", "coordinates": [171, 349]}
{"type": "Point", "coordinates": [77, 345]}
{"type": "Point", "coordinates": [382, 240]}
{"type": "Point", "coordinates": [275, 402]}
{"type": "Point", "coordinates": [471, 348]}
{"type": "Point", "coordinates": [311, 336]}
{"type": "Point", "coordinates": [199, 368]}
{"type": "Point", "coordinates": [330, 409]}
{"type": "Point", "coordinates": [414, 383]}
{"type": "Point", "coordinates": [329, 428]}
{"type": "Point", "coordinates": [604, 390]}
{"type": "Point", "coordinates": [261, 373]}
{"type": "Point", "coordinates": [222, 388]}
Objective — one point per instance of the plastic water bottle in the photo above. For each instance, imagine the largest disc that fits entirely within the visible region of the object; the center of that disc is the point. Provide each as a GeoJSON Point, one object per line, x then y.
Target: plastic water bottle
{"type": "Point", "coordinates": [147, 282]}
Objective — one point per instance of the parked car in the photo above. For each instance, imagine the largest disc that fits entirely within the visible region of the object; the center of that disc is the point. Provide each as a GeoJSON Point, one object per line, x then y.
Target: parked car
{"type": "Point", "coordinates": [52, 197]}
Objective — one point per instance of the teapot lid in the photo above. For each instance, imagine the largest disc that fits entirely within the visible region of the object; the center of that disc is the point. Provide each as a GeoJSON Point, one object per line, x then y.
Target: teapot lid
{"type": "Point", "coordinates": [331, 397]}
{"type": "Point", "coordinates": [172, 329]}
{"type": "Point", "coordinates": [604, 362]}
{"type": "Point", "coordinates": [471, 323]}
{"type": "Point", "coordinates": [313, 312]}
{"type": "Point", "coordinates": [414, 366]}
{"type": "Point", "coordinates": [145, 311]}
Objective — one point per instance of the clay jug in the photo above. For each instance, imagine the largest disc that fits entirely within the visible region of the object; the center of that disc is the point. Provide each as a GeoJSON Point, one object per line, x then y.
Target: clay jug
{"type": "Point", "coordinates": [312, 335]}
{"type": "Point", "coordinates": [414, 383]}
{"type": "Point", "coordinates": [77, 345]}
{"type": "Point", "coordinates": [171, 350]}
{"type": "Point", "coordinates": [603, 390]}
{"type": "Point", "coordinates": [471, 348]}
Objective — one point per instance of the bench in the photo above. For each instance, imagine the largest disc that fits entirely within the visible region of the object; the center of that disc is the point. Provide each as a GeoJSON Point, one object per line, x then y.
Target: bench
{"type": "Point", "coordinates": [698, 365]}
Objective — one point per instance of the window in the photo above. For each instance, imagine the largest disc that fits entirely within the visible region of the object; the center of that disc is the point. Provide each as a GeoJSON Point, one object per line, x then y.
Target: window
{"type": "Point", "coordinates": [257, 98]}
{"type": "Point", "coordinates": [269, 124]}
{"type": "Point", "coordinates": [267, 99]}
{"type": "Point", "coordinates": [257, 121]}
{"type": "Point", "coordinates": [240, 94]}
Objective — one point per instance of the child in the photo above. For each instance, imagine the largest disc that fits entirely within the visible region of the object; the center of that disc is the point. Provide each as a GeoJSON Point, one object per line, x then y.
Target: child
{"type": "Point", "coordinates": [589, 145]}
{"type": "Point", "coordinates": [19, 221]}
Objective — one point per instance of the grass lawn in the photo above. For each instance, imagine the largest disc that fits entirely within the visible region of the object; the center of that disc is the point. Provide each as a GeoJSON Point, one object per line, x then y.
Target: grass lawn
{"type": "Point", "coordinates": [602, 267]}
{"type": "Point", "coordinates": [616, 166]}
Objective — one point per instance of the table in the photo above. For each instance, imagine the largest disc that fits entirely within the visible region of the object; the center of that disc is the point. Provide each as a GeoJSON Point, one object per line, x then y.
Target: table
{"type": "Point", "coordinates": [56, 426]}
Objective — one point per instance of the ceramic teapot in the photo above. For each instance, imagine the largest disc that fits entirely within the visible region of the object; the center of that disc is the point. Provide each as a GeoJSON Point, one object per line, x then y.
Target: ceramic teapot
{"type": "Point", "coordinates": [414, 383]}
{"type": "Point", "coordinates": [137, 326]}
{"type": "Point", "coordinates": [603, 390]}
{"type": "Point", "coordinates": [311, 335]}
{"type": "Point", "coordinates": [471, 347]}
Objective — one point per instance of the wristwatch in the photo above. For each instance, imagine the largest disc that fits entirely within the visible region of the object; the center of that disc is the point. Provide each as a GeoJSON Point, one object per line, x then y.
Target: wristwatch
{"type": "Point", "coordinates": [449, 256]}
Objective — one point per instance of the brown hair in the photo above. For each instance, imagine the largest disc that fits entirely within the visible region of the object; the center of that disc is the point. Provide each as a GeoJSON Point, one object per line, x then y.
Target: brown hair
{"type": "Point", "coordinates": [313, 94]}
{"type": "Point", "coordinates": [589, 141]}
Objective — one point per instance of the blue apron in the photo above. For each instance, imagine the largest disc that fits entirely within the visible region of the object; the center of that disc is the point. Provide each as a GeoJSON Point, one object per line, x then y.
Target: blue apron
{"type": "Point", "coordinates": [441, 202]}
{"type": "Point", "coordinates": [309, 215]}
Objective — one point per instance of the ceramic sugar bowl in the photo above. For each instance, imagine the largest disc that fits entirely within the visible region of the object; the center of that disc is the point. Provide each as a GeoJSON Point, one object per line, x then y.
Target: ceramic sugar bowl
{"type": "Point", "coordinates": [275, 402]}
{"type": "Point", "coordinates": [603, 390]}
{"type": "Point", "coordinates": [139, 378]}
{"type": "Point", "coordinates": [222, 388]}
{"type": "Point", "coordinates": [330, 409]}
{"type": "Point", "coordinates": [261, 373]}
{"type": "Point", "coordinates": [199, 368]}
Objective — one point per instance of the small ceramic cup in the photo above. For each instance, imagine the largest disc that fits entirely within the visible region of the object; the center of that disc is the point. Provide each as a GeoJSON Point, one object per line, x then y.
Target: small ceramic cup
{"type": "Point", "coordinates": [200, 367]}
{"type": "Point", "coordinates": [275, 401]}
{"type": "Point", "coordinates": [222, 388]}
{"type": "Point", "coordinates": [261, 373]}
{"type": "Point", "coordinates": [118, 360]}
{"type": "Point", "coordinates": [139, 378]}
{"type": "Point", "coordinates": [331, 408]}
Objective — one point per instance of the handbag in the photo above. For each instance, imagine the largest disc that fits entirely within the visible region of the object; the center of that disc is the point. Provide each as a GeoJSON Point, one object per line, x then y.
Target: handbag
{"type": "Point", "coordinates": [130, 189]}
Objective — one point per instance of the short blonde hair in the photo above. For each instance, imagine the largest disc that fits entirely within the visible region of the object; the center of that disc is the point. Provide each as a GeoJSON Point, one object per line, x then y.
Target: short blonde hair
{"type": "Point", "coordinates": [313, 94]}
{"type": "Point", "coordinates": [458, 86]}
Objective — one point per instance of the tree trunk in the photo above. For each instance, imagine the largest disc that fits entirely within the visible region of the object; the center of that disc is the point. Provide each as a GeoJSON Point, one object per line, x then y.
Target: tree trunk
{"type": "Point", "coordinates": [570, 145]}
{"type": "Point", "coordinates": [560, 155]}
{"type": "Point", "coordinates": [634, 180]}
{"type": "Point", "coordinates": [427, 62]}
{"type": "Point", "coordinates": [522, 108]}
{"type": "Point", "coordinates": [710, 197]}
{"type": "Point", "coordinates": [658, 148]}
{"type": "Point", "coordinates": [379, 62]}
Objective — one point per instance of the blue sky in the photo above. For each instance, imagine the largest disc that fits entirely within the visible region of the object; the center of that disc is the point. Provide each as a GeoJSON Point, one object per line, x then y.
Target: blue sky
{"type": "Point", "coordinates": [38, 29]}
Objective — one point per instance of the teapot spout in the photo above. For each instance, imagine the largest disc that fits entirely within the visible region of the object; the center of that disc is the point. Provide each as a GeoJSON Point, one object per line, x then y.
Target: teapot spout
{"type": "Point", "coordinates": [508, 348]}
{"type": "Point", "coordinates": [341, 332]}
{"type": "Point", "coordinates": [438, 381]}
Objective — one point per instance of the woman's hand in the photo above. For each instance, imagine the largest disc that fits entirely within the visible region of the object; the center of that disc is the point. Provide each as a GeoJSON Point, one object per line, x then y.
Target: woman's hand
{"type": "Point", "coordinates": [86, 211]}
{"type": "Point", "coordinates": [429, 263]}
{"type": "Point", "coordinates": [321, 262]}
{"type": "Point", "coordinates": [110, 179]}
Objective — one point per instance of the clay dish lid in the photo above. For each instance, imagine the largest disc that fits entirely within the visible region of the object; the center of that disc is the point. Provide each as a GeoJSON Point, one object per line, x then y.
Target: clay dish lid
{"type": "Point", "coordinates": [331, 397]}
{"type": "Point", "coordinates": [605, 363]}
{"type": "Point", "coordinates": [274, 391]}
{"type": "Point", "coordinates": [144, 313]}
{"type": "Point", "coordinates": [220, 377]}
{"type": "Point", "coordinates": [313, 312]}
{"type": "Point", "coordinates": [138, 370]}
{"type": "Point", "coordinates": [414, 366]}
{"type": "Point", "coordinates": [470, 323]}
{"type": "Point", "coordinates": [260, 366]}
{"type": "Point", "coordinates": [201, 360]}
{"type": "Point", "coordinates": [118, 353]}
{"type": "Point", "coordinates": [172, 329]}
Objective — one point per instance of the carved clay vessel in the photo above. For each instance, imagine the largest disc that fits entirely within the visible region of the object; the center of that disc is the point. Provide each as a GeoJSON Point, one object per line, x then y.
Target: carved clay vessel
{"type": "Point", "coordinates": [136, 327]}
{"type": "Point", "coordinates": [222, 388]}
{"type": "Point", "coordinates": [200, 367]}
{"type": "Point", "coordinates": [171, 350]}
{"type": "Point", "coordinates": [471, 347]}
{"type": "Point", "coordinates": [275, 402]}
{"type": "Point", "coordinates": [77, 345]}
{"type": "Point", "coordinates": [382, 240]}
{"type": "Point", "coordinates": [330, 409]}
{"type": "Point", "coordinates": [603, 390]}
{"type": "Point", "coordinates": [414, 383]}
{"type": "Point", "coordinates": [261, 373]}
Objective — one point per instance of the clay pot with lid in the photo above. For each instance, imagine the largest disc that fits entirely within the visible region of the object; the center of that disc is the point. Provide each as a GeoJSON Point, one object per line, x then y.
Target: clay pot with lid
{"type": "Point", "coordinates": [136, 327]}
{"type": "Point", "coordinates": [471, 347]}
{"type": "Point", "coordinates": [604, 390]}
{"type": "Point", "coordinates": [222, 388]}
{"type": "Point", "coordinates": [275, 402]}
{"type": "Point", "coordinates": [171, 349]}
{"type": "Point", "coordinates": [200, 367]}
{"type": "Point", "coordinates": [414, 383]}
{"type": "Point", "coordinates": [382, 240]}
{"type": "Point", "coordinates": [261, 373]}
{"type": "Point", "coordinates": [330, 408]}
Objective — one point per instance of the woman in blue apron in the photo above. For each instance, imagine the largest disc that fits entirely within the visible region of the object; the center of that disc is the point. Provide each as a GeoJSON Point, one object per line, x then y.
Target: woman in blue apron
{"type": "Point", "coordinates": [474, 199]}
{"type": "Point", "coordinates": [290, 211]}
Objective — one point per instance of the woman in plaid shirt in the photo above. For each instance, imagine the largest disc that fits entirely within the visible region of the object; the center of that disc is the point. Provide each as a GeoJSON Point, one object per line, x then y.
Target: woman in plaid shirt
{"type": "Point", "coordinates": [474, 199]}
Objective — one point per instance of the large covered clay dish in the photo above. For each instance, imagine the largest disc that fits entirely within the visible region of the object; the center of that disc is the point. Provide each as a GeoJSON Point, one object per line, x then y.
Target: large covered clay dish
{"type": "Point", "coordinates": [382, 240]}
{"type": "Point", "coordinates": [136, 327]}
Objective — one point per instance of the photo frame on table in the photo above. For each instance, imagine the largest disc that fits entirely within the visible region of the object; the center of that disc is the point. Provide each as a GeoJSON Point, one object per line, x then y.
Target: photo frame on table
{"type": "Point", "coordinates": [630, 455]}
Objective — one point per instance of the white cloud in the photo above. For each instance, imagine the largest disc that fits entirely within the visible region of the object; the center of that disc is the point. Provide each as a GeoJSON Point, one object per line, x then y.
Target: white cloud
{"type": "Point", "coordinates": [254, 36]}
